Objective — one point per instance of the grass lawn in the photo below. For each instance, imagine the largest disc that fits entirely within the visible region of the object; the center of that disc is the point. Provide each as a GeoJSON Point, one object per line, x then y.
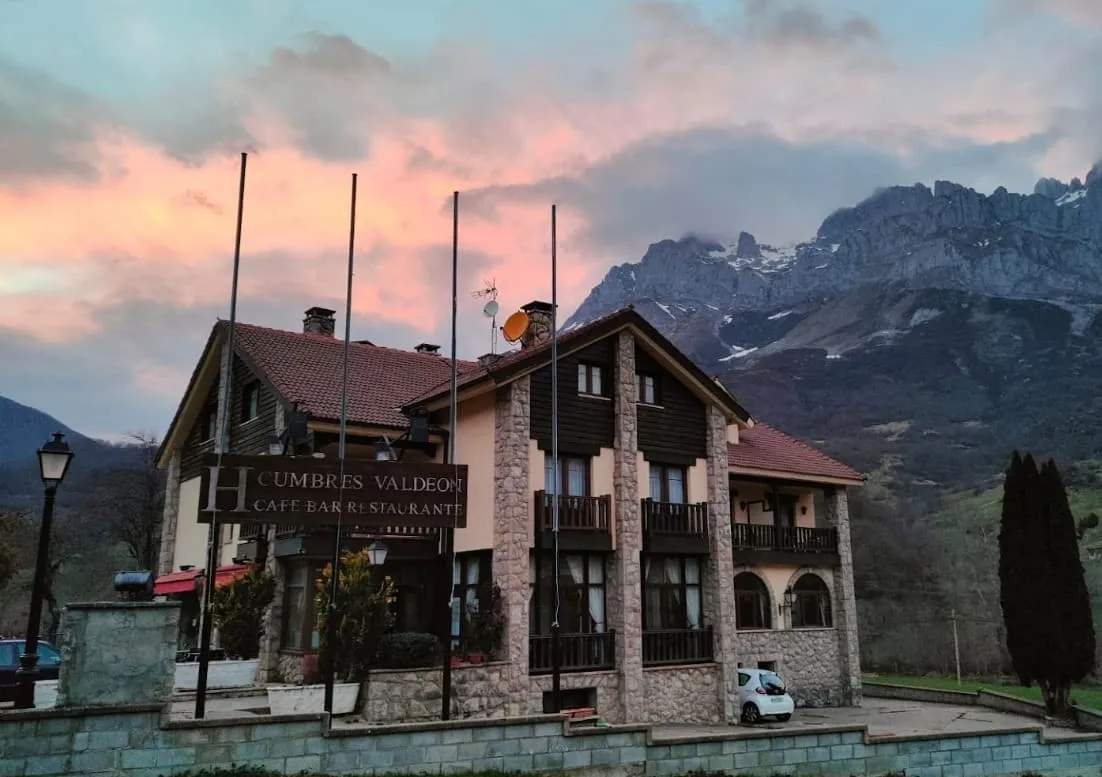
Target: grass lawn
{"type": "Point", "coordinates": [1089, 696]}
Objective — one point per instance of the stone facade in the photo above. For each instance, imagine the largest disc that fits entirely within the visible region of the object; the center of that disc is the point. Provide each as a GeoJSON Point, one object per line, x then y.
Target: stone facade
{"type": "Point", "coordinates": [845, 600]}
{"type": "Point", "coordinates": [273, 616]}
{"type": "Point", "coordinates": [512, 517]}
{"type": "Point", "coordinates": [391, 696]}
{"type": "Point", "coordinates": [807, 659]}
{"type": "Point", "coordinates": [607, 685]}
{"type": "Point", "coordinates": [170, 515]}
{"type": "Point", "coordinates": [288, 668]}
{"type": "Point", "coordinates": [719, 592]}
{"type": "Point", "coordinates": [117, 653]}
{"type": "Point", "coordinates": [625, 592]}
{"type": "Point", "coordinates": [683, 694]}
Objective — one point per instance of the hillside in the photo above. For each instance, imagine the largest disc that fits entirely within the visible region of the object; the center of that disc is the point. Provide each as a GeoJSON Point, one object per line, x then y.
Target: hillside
{"type": "Point", "coordinates": [921, 336]}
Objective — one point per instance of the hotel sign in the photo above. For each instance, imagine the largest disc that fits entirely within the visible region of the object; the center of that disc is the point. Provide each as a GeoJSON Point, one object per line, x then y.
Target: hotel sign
{"type": "Point", "coordinates": [312, 492]}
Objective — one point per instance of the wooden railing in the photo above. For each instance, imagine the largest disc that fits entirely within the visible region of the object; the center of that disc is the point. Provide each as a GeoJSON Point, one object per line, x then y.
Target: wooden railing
{"type": "Point", "coordinates": [668, 518]}
{"type": "Point", "coordinates": [251, 531]}
{"type": "Point", "coordinates": [576, 652]}
{"type": "Point", "coordinates": [576, 513]}
{"type": "Point", "coordinates": [678, 646]}
{"type": "Point", "coordinates": [798, 539]}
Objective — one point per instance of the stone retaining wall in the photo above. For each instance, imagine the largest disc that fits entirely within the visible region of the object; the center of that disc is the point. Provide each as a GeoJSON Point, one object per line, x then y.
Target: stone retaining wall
{"type": "Point", "coordinates": [682, 694]}
{"type": "Point", "coordinates": [394, 695]}
{"type": "Point", "coordinates": [807, 660]}
{"type": "Point", "coordinates": [136, 742]}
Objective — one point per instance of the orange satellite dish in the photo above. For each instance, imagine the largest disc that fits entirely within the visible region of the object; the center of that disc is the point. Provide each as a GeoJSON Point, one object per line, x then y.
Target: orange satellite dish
{"type": "Point", "coordinates": [515, 326]}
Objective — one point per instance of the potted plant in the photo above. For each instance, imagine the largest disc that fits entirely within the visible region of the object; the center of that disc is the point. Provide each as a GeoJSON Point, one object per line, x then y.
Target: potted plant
{"type": "Point", "coordinates": [363, 615]}
{"type": "Point", "coordinates": [238, 609]}
{"type": "Point", "coordinates": [487, 623]}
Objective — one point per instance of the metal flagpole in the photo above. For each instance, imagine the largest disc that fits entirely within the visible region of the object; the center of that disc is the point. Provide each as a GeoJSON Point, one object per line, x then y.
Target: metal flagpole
{"type": "Point", "coordinates": [214, 533]}
{"type": "Point", "coordinates": [556, 646]}
{"type": "Point", "coordinates": [334, 579]}
{"type": "Point", "coordinates": [449, 539]}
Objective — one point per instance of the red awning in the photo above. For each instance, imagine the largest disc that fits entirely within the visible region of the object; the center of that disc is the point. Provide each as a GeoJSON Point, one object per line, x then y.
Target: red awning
{"type": "Point", "coordinates": [227, 574]}
{"type": "Point", "coordinates": [177, 582]}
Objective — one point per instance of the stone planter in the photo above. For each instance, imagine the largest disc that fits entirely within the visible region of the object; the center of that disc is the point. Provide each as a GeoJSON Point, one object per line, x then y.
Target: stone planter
{"type": "Point", "coordinates": [220, 674]}
{"type": "Point", "coordinates": [45, 694]}
{"type": "Point", "coordinates": [305, 699]}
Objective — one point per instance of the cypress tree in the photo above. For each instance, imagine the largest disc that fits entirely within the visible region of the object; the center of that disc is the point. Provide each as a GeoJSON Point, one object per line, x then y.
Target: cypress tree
{"type": "Point", "coordinates": [1016, 571]}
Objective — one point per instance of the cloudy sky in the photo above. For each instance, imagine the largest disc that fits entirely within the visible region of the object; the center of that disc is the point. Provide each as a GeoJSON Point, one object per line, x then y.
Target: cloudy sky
{"type": "Point", "coordinates": [122, 124]}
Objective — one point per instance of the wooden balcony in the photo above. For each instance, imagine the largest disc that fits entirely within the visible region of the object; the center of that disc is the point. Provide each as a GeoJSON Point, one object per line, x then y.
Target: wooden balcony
{"type": "Point", "coordinates": [674, 528]}
{"type": "Point", "coordinates": [585, 522]}
{"type": "Point", "coordinates": [784, 544]}
{"type": "Point", "coordinates": [578, 652]}
{"type": "Point", "coordinates": [678, 646]}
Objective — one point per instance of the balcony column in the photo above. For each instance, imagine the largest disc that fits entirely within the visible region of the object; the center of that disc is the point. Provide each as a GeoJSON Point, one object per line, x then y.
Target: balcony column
{"type": "Point", "coordinates": [625, 593]}
{"type": "Point", "coordinates": [845, 601]}
{"type": "Point", "coordinates": [719, 594]}
{"type": "Point", "coordinates": [273, 615]}
{"type": "Point", "coordinates": [513, 502]}
{"type": "Point", "coordinates": [170, 515]}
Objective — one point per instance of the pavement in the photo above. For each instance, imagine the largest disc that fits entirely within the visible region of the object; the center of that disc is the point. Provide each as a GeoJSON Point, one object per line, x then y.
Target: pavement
{"type": "Point", "coordinates": [883, 717]}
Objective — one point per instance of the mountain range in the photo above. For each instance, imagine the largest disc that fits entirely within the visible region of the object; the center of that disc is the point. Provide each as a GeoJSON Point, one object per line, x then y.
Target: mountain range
{"type": "Point", "coordinates": [921, 335]}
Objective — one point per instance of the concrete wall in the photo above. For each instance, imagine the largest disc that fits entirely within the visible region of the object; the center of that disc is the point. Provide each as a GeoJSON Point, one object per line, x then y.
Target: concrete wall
{"type": "Point", "coordinates": [191, 536]}
{"type": "Point", "coordinates": [474, 445]}
{"type": "Point", "coordinates": [137, 743]}
{"type": "Point", "coordinates": [117, 653]}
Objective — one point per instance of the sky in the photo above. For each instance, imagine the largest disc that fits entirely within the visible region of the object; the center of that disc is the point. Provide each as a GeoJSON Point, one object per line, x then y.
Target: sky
{"type": "Point", "coordinates": [122, 123]}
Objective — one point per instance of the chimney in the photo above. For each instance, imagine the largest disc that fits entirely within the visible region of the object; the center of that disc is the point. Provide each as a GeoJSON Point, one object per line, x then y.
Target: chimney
{"type": "Point", "coordinates": [427, 348]}
{"type": "Point", "coordinates": [539, 324]}
{"type": "Point", "coordinates": [320, 321]}
{"type": "Point", "coordinates": [487, 360]}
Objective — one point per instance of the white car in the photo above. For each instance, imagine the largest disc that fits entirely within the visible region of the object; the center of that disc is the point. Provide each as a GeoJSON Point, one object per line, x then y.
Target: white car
{"type": "Point", "coordinates": [762, 694]}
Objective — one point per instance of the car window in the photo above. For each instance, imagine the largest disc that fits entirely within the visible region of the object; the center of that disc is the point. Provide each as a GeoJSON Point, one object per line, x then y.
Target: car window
{"type": "Point", "coordinates": [47, 654]}
{"type": "Point", "coordinates": [771, 680]}
{"type": "Point", "coordinates": [7, 654]}
{"type": "Point", "coordinates": [743, 678]}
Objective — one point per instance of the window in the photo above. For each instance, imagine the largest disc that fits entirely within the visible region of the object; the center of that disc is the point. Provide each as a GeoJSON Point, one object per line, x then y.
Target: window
{"type": "Point", "coordinates": [572, 475]}
{"type": "Point", "coordinates": [667, 484]}
{"type": "Point", "coordinates": [752, 608]}
{"type": "Point", "coordinates": [250, 401]}
{"type": "Point", "coordinates": [786, 510]}
{"type": "Point", "coordinates": [469, 571]}
{"type": "Point", "coordinates": [209, 423]}
{"type": "Point", "coordinates": [581, 593]}
{"type": "Point", "coordinates": [589, 379]}
{"type": "Point", "coordinates": [811, 603]}
{"type": "Point", "coordinates": [672, 593]}
{"type": "Point", "coordinates": [413, 587]}
{"type": "Point", "coordinates": [648, 388]}
{"type": "Point", "coordinates": [299, 622]}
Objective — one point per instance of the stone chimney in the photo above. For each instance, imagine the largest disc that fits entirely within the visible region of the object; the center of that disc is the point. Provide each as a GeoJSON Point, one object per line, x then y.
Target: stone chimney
{"type": "Point", "coordinates": [427, 348]}
{"type": "Point", "coordinates": [320, 321]}
{"type": "Point", "coordinates": [487, 360]}
{"type": "Point", "coordinates": [539, 324]}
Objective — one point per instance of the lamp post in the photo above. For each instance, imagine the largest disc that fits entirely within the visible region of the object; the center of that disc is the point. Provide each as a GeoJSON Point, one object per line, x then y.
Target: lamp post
{"type": "Point", "coordinates": [53, 463]}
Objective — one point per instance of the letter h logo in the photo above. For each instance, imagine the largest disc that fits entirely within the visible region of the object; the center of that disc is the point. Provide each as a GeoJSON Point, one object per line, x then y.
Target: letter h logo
{"type": "Point", "coordinates": [239, 489]}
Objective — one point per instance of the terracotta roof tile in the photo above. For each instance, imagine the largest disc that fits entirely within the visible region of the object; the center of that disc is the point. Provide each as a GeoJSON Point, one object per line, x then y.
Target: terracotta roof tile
{"type": "Point", "coordinates": [307, 368]}
{"type": "Point", "coordinates": [763, 447]}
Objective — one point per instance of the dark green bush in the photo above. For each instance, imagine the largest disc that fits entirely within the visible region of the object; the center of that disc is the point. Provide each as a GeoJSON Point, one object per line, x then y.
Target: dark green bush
{"type": "Point", "coordinates": [408, 650]}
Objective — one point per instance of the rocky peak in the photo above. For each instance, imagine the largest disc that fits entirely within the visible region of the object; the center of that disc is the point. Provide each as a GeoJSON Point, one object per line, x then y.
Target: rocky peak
{"type": "Point", "coordinates": [747, 247]}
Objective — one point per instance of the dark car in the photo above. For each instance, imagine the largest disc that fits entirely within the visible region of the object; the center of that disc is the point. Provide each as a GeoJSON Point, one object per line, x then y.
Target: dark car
{"type": "Point", "coordinates": [49, 663]}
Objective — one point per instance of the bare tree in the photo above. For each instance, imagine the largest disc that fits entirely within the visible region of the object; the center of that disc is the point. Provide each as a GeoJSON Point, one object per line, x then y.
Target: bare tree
{"type": "Point", "coordinates": [132, 502]}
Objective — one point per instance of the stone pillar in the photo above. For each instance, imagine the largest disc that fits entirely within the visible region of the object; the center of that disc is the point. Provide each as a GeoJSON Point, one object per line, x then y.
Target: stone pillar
{"type": "Point", "coordinates": [625, 591]}
{"type": "Point", "coordinates": [720, 573]}
{"type": "Point", "coordinates": [117, 653]}
{"type": "Point", "coordinates": [273, 616]}
{"type": "Point", "coordinates": [170, 516]}
{"type": "Point", "coordinates": [512, 500]}
{"type": "Point", "coordinates": [845, 601]}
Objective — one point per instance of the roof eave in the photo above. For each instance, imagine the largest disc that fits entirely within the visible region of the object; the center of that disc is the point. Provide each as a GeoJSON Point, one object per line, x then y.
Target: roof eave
{"type": "Point", "coordinates": [171, 439]}
{"type": "Point", "coordinates": [803, 477]}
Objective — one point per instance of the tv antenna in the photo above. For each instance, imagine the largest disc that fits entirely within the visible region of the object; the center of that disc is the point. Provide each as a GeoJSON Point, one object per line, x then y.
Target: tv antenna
{"type": "Point", "coordinates": [488, 292]}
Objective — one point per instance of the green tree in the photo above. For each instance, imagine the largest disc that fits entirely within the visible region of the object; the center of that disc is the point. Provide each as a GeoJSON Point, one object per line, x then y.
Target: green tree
{"type": "Point", "coordinates": [1045, 604]}
{"type": "Point", "coordinates": [238, 610]}
{"type": "Point", "coordinates": [363, 615]}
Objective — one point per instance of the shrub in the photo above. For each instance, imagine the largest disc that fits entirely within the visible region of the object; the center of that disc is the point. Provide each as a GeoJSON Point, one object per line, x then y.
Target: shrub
{"type": "Point", "coordinates": [363, 616]}
{"type": "Point", "coordinates": [408, 650]}
{"type": "Point", "coordinates": [238, 610]}
{"type": "Point", "coordinates": [487, 620]}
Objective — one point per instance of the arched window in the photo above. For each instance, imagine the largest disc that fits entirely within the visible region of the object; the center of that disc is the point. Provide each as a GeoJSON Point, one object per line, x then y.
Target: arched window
{"type": "Point", "coordinates": [811, 603]}
{"type": "Point", "coordinates": [752, 607]}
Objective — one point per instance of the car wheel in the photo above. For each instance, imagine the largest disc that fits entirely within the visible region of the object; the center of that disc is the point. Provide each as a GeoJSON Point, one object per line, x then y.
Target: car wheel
{"type": "Point", "coordinates": [750, 712]}
{"type": "Point", "coordinates": [784, 718]}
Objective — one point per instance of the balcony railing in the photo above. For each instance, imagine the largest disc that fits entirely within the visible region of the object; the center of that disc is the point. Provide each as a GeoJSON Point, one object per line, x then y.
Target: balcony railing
{"type": "Point", "coordinates": [250, 532]}
{"type": "Point", "coordinates": [576, 513]}
{"type": "Point", "coordinates": [678, 646]}
{"type": "Point", "coordinates": [577, 652]}
{"type": "Point", "coordinates": [688, 520]}
{"type": "Point", "coordinates": [792, 539]}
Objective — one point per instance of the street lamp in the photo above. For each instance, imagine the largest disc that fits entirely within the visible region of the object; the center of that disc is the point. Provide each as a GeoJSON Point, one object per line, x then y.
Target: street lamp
{"type": "Point", "coordinates": [53, 464]}
{"type": "Point", "coordinates": [376, 554]}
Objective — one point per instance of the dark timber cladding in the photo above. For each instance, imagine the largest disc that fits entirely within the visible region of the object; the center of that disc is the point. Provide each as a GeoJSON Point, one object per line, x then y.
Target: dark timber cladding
{"type": "Point", "coordinates": [250, 437]}
{"type": "Point", "coordinates": [319, 492]}
{"type": "Point", "coordinates": [675, 429]}
{"type": "Point", "coordinates": [586, 423]}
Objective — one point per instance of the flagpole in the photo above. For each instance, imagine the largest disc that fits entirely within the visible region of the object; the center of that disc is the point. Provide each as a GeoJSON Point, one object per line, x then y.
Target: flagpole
{"type": "Point", "coordinates": [449, 538]}
{"type": "Point", "coordinates": [214, 531]}
{"type": "Point", "coordinates": [556, 658]}
{"type": "Point", "coordinates": [334, 578]}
